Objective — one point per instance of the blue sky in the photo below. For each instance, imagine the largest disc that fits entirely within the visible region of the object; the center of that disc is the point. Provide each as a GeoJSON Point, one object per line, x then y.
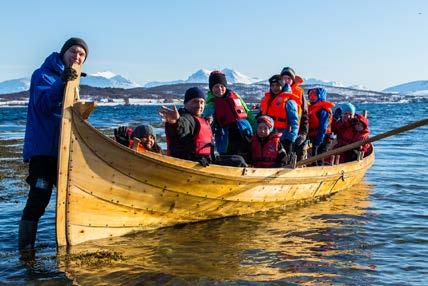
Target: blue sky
{"type": "Point", "coordinates": [374, 43]}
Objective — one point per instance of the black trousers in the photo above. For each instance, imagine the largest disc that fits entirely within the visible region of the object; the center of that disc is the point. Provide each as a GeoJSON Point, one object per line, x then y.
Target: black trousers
{"type": "Point", "coordinates": [42, 176]}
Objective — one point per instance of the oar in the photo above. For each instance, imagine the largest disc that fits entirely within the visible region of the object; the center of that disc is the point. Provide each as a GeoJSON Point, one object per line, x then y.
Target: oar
{"type": "Point", "coordinates": [354, 145]}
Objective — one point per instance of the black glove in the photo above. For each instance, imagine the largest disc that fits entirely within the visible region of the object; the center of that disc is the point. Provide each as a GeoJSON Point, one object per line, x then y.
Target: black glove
{"type": "Point", "coordinates": [204, 162]}
{"type": "Point", "coordinates": [68, 74]}
{"type": "Point", "coordinates": [337, 114]}
{"type": "Point", "coordinates": [299, 141]}
{"type": "Point", "coordinates": [122, 136]}
{"type": "Point", "coordinates": [314, 151]}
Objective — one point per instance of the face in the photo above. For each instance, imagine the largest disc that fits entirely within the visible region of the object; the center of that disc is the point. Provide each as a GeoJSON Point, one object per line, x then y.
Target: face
{"type": "Point", "coordinates": [219, 90]}
{"type": "Point", "coordinates": [148, 141]}
{"type": "Point", "coordinates": [195, 106]}
{"type": "Point", "coordinates": [262, 130]}
{"type": "Point", "coordinates": [287, 79]}
{"type": "Point", "coordinates": [275, 88]}
{"type": "Point", "coordinates": [347, 116]}
{"type": "Point", "coordinates": [74, 55]}
{"type": "Point", "coordinates": [359, 127]}
{"type": "Point", "coordinates": [313, 97]}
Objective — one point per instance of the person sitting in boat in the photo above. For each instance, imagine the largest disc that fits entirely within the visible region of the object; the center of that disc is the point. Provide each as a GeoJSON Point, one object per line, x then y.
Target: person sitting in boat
{"type": "Point", "coordinates": [42, 132]}
{"type": "Point", "coordinates": [320, 120]}
{"type": "Point", "coordinates": [189, 135]}
{"type": "Point", "coordinates": [142, 138]}
{"type": "Point", "coordinates": [290, 78]}
{"type": "Point", "coordinates": [350, 127]}
{"type": "Point", "coordinates": [266, 147]}
{"type": "Point", "coordinates": [282, 107]}
{"type": "Point", "coordinates": [233, 122]}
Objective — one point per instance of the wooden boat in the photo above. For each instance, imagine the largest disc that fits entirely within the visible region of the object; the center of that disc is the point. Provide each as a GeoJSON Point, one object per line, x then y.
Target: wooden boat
{"type": "Point", "coordinates": [106, 189]}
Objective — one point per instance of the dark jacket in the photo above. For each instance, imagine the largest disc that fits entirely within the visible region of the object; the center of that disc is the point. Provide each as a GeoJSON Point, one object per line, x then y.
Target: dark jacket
{"type": "Point", "coordinates": [44, 109]}
{"type": "Point", "coordinates": [181, 136]}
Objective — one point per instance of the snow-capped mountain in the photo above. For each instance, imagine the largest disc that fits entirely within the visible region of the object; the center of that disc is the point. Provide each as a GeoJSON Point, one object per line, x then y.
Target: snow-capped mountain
{"type": "Point", "coordinates": [108, 79]}
{"type": "Point", "coordinates": [201, 76]}
{"type": "Point", "coordinates": [419, 87]}
{"type": "Point", "coordinates": [100, 79]}
{"type": "Point", "coordinates": [14, 85]}
{"type": "Point", "coordinates": [315, 81]}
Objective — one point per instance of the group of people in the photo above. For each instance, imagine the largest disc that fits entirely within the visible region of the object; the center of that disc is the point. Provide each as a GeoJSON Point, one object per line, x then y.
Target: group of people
{"type": "Point", "coordinates": [217, 127]}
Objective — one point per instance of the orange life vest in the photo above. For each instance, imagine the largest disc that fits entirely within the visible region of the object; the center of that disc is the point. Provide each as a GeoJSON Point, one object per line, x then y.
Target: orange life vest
{"type": "Point", "coordinates": [298, 90]}
{"type": "Point", "coordinates": [313, 118]}
{"type": "Point", "coordinates": [265, 156]}
{"type": "Point", "coordinates": [140, 147]}
{"type": "Point", "coordinates": [275, 108]}
{"type": "Point", "coordinates": [228, 109]}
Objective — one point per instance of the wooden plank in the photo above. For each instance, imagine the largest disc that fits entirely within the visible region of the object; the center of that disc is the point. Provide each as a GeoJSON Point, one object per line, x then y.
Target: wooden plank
{"type": "Point", "coordinates": [70, 96]}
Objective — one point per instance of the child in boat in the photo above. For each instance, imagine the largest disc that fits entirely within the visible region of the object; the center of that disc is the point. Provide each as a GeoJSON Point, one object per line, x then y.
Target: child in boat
{"type": "Point", "coordinates": [320, 119]}
{"type": "Point", "coordinates": [350, 127]}
{"type": "Point", "coordinates": [144, 134]}
{"type": "Point", "coordinates": [266, 147]}
{"type": "Point", "coordinates": [283, 108]}
{"type": "Point", "coordinates": [288, 75]}
{"type": "Point", "coordinates": [233, 122]}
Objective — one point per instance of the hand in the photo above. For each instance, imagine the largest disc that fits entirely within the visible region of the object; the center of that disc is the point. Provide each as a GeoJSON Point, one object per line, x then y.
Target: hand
{"type": "Point", "coordinates": [314, 151]}
{"type": "Point", "coordinates": [68, 74]}
{"type": "Point", "coordinates": [204, 162]}
{"type": "Point", "coordinates": [169, 115]}
{"type": "Point", "coordinates": [299, 141]}
{"type": "Point", "coordinates": [121, 135]}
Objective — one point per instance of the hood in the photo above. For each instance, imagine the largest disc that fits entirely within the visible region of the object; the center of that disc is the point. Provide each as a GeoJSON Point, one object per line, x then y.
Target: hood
{"type": "Point", "coordinates": [54, 63]}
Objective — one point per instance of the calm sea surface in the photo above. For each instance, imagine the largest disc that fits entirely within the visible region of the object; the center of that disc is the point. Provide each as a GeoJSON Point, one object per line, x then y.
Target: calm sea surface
{"type": "Point", "coordinates": [373, 234]}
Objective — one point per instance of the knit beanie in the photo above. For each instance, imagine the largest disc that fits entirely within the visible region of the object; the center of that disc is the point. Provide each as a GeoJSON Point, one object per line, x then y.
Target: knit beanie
{"type": "Point", "coordinates": [215, 78]}
{"type": "Point", "coordinates": [348, 107]}
{"type": "Point", "coordinates": [276, 79]}
{"type": "Point", "coordinates": [288, 71]}
{"type": "Point", "coordinates": [266, 120]}
{"type": "Point", "coordinates": [193, 92]}
{"type": "Point", "coordinates": [143, 130]}
{"type": "Point", "coordinates": [71, 42]}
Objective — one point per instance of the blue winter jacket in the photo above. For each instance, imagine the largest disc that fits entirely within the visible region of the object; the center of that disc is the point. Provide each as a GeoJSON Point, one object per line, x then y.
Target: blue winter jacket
{"type": "Point", "coordinates": [323, 117]}
{"type": "Point", "coordinates": [44, 109]}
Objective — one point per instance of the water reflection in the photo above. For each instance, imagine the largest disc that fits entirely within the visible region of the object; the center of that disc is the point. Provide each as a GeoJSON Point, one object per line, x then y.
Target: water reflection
{"type": "Point", "coordinates": [319, 243]}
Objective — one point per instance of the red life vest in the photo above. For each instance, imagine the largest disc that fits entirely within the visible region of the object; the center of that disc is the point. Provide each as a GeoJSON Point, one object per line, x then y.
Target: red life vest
{"type": "Point", "coordinates": [228, 109]}
{"type": "Point", "coordinates": [275, 108]}
{"type": "Point", "coordinates": [203, 137]}
{"type": "Point", "coordinates": [313, 118]}
{"type": "Point", "coordinates": [346, 133]}
{"type": "Point", "coordinates": [264, 156]}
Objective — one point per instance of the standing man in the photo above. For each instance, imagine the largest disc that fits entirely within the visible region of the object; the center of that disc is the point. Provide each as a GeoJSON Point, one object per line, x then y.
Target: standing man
{"type": "Point", "coordinates": [42, 132]}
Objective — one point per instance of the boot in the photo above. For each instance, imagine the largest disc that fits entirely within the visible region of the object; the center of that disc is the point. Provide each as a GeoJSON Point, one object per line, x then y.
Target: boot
{"type": "Point", "coordinates": [27, 234]}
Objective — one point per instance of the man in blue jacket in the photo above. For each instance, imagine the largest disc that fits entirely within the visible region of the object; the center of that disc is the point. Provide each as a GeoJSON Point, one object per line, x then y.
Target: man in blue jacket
{"type": "Point", "coordinates": [42, 132]}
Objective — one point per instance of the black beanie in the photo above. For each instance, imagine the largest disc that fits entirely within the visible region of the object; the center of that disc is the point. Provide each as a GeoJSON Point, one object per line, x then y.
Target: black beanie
{"type": "Point", "coordinates": [143, 130]}
{"type": "Point", "coordinates": [193, 92]}
{"type": "Point", "coordinates": [276, 79]}
{"type": "Point", "coordinates": [215, 78]}
{"type": "Point", "coordinates": [71, 42]}
{"type": "Point", "coordinates": [288, 71]}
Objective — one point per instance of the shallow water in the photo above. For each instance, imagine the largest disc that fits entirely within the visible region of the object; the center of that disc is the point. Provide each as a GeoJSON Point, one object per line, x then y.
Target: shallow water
{"type": "Point", "coordinates": [373, 234]}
